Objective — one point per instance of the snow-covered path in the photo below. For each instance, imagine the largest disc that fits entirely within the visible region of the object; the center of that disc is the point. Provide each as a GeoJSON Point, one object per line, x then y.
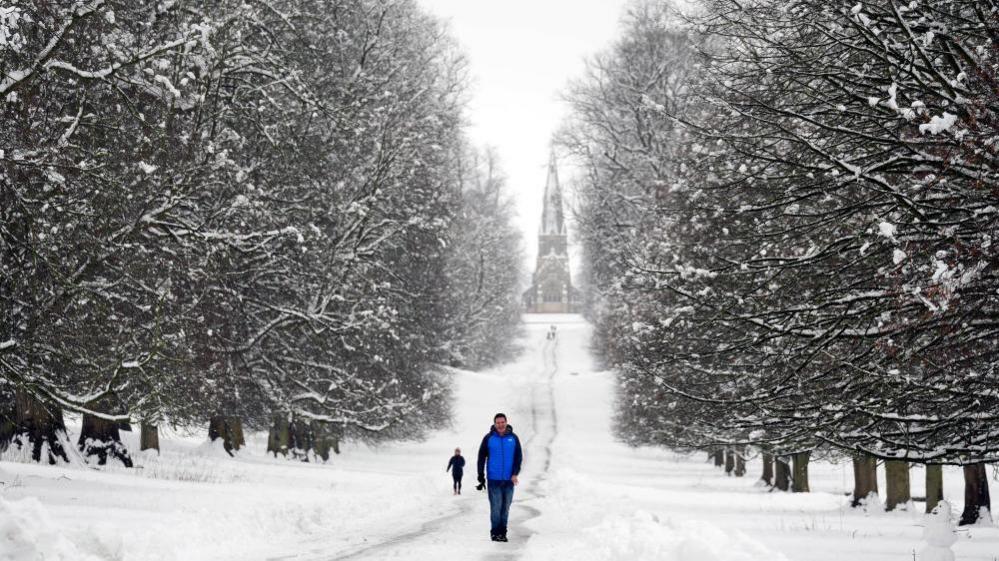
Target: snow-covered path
{"type": "Point", "coordinates": [524, 390]}
{"type": "Point", "coordinates": [583, 495]}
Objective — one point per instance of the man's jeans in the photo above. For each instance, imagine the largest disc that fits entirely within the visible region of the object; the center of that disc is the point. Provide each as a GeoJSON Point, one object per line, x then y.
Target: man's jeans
{"type": "Point", "coordinates": [500, 497]}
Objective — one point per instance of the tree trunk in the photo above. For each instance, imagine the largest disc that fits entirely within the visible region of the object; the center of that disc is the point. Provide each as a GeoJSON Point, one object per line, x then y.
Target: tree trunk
{"type": "Point", "coordinates": [279, 437]}
{"type": "Point", "coordinates": [865, 478]}
{"type": "Point", "coordinates": [322, 440]}
{"type": "Point", "coordinates": [934, 486]}
{"type": "Point", "coordinates": [229, 429]}
{"type": "Point", "coordinates": [800, 478]}
{"type": "Point", "coordinates": [782, 472]}
{"type": "Point", "coordinates": [335, 436]}
{"type": "Point", "coordinates": [897, 483]}
{"type": "Point", "coordinates": [768, 469]}
{"type": "Point", "coordinates": [149, 437]}
{"type": "Point", "coordinates": [101, 438]}
{"type": "Point", "coordinates": [39, 426]}
{"type": "Point", "coordinates": [237, 431]}
{"type": "Point", "coordinates": [301, 439]}
{"type": "Point", "coordinates": [977, 502]}
{"type": "Point", "coordinates": [719, 456]}
{"type": "Point", "coordinates": [729, 461]}
{"type": "Point", "coordinates": [740, 462]}
{"type": "Point", "coordinates": [8, 425]}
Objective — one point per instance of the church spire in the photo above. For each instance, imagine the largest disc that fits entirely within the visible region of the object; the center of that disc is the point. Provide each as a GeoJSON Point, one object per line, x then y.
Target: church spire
{"type": "Point", "coordinates": [552, 219]}
{"type": "Point", "coordinates": [551, 286]}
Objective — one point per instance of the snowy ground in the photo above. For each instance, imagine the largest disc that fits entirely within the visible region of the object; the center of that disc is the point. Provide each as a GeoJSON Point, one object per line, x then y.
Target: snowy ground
{"type": "Point", "coordinates": [583, 496]}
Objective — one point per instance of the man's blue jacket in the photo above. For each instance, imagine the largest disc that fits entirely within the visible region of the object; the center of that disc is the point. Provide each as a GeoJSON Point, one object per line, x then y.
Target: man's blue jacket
{"type": "Point", "coordinates": [503, 453]}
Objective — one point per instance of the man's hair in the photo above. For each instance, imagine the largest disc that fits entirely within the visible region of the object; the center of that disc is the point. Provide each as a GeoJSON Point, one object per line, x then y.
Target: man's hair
{"type": "Point", "coordinates": [498, 415]}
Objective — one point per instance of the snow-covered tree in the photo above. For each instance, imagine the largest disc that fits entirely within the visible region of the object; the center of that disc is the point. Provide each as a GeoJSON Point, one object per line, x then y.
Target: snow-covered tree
{"type": "Point", "coordinates": [484, 270]}
{"type": "Point", "coordinates": [819, 273]}
{"type": "Point", "coordinates": [228, 213]}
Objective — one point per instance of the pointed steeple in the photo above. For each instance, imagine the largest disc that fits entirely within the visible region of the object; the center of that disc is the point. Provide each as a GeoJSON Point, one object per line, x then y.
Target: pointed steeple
{"type": "Point", "coordinates": [552, 219]}
{"type": "Point", "coordinates": [551, 286]}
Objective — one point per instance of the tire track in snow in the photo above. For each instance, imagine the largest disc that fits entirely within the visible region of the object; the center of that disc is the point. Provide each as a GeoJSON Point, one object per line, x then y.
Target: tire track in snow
{"type": "Point", "coordinates": [545, 423]}
{"type": "Point", "coordinates": [437, 525]}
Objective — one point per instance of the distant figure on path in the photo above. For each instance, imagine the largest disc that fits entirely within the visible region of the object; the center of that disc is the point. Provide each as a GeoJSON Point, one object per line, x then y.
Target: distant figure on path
{"type": "Point", "coordinates": [457, 466]}
{"type": "Point", "coordinates": [502, 450]}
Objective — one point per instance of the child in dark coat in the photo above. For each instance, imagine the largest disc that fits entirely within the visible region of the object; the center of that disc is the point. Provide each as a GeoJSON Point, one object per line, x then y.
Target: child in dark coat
{"type": "Point", "coordinates": [457, 467]}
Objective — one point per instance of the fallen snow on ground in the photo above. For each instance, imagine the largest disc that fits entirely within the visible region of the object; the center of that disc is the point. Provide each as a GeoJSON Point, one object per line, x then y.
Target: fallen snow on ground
{"type": "Point", "coordinates": [27, 532]}
{"type": "Point", "coordinates": [566, 528]}
{"type": "Point", "coordinates": [583, 496]}
{"type": "Point", "coordinates": [194, 502]}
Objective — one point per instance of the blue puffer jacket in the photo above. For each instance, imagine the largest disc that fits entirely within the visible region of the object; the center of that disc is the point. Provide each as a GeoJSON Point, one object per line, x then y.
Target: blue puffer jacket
{"type": "Point", "coordinates": [503, 453]}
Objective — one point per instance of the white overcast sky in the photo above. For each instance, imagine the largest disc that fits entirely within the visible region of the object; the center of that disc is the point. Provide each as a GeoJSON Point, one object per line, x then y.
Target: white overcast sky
{"type": "Point", "coordinates": [522, 54]}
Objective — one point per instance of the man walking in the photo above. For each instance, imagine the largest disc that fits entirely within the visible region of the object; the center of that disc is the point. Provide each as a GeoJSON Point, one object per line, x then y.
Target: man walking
{"type": "Point", "coordinates": [502, 450]}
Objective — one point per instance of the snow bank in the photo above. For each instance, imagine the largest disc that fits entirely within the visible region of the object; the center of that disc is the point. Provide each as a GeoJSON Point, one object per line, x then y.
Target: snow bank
{"type": "Point", "coordinates": [601, 527]}
{"type": "Point", "coordinates": [28, 533]}
{"type": "Point", "coordinates": [644, 535]}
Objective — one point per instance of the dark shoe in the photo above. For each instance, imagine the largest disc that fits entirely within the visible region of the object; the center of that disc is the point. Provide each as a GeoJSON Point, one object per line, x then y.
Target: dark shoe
{"type": "Point", "coordinates": [501, 538]}
{"type": "Point", "coordinates": [494, 537]}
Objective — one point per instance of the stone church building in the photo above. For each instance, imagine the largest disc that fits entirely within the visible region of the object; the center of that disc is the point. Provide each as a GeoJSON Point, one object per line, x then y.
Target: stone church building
{"type": "Point", "coordinates": [551, 288]}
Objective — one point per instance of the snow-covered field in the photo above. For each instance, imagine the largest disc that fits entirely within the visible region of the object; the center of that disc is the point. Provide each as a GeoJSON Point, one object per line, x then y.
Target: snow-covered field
{"type": "Point", "coordinates": [583, 496]}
